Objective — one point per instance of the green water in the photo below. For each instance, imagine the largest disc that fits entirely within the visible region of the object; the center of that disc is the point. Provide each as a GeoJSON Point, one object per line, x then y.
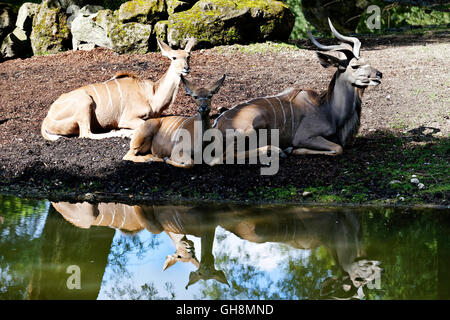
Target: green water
{"type": "Point", "coordinates": [116, 251]}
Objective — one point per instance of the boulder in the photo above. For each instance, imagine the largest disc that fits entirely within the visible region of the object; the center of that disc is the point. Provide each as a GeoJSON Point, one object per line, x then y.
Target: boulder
{"type": "Point", "coordinates": [7, 19]}
{"type": "Point", "coordinates": [219, 22]}
{"type": "Point", "coordinates": [50, 32]}
{"type": "Point", "coordinates": [87, 34]}
{"type": "Point", "coordinates": [344, 14]}
{"type": "Point", "coordinates": [143, 11]}
{"type": "Point", "coordinates": [25, 16]}
{"type": "Point", "coordinates": [105, 29]}
{"type": "Point", "coordinates": [174, 6]}
{"type": "Point", "coordinates": [16, 45]}
{"type": "Point", "coordinates": [131, 37]}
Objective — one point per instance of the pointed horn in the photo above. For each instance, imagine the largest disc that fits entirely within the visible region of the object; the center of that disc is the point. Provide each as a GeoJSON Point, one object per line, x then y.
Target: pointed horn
{"type": "Point", "coordinates": [356, 43]}
{"type": "Point", "coordinates": [321, 46]}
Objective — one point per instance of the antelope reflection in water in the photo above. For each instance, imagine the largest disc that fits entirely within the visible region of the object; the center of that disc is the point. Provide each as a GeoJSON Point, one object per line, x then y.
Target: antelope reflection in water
{"type": "Point", "coordinates": [338, 230]}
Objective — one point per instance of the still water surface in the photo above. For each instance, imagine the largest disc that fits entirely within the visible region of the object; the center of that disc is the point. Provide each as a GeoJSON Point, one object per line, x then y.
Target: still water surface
{"type": "Point", "coordinates": [117, 251]}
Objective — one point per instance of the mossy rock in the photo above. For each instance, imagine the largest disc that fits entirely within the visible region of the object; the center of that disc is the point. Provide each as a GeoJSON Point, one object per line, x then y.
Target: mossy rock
{"type": "Point", "coordinates": [131, 37]}
{"type": "Point", "coordinates": [222, 22]}
{"type": "Point", "coordinates": [160, 30]}
{"type": "Point", "coordinates": [16, 45]}
{"type": "Point", "coordinates": [50, 32]}
{"type": "Point", "coordinates": [174, 6]}
{"type": "Point", "coordinates": [143, 11]}
{"type": "Point", "coordinates": [8, 16]}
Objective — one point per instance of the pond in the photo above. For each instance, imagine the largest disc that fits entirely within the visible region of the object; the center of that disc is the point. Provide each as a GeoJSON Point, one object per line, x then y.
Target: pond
{"type": "Point", "coordinates": [62, 250]}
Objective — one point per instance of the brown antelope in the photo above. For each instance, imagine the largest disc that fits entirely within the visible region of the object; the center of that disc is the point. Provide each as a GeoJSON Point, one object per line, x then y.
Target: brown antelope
{"type": "Point", "coordinates": [309, 122]}
{"type": "Point", "coordinates": [159, 138]}
{"type": "Point", "coordinates": [133, 219]}
{"type": "Point", "coordinates": [123, 102]}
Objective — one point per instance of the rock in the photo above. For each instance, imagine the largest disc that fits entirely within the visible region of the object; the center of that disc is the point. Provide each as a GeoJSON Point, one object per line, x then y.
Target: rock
{"type": "Point", "coordinates": [306, 194]}
{"type": "Point", "coordinates": [104, 29]}
{"type": "Point", "coordinates": [7, 19]}
{"type": "Point", "coordinates": [420, 186]}
{"type": "Point", "coordinates": [174, 6]}
{"type": "Point", "coordinates": [160, 30]}
{"type": "Point", "coordinates": [143, 11]}
{"type": "Point", "coordinates": [342, 14]}
{"type": "Point", "coordinates": [87, 34]}
{"type": "Point", "coordinates": [50, 33]}
{"type": "Point", "coordinates": [16, 45]}
{"type": "Point", "coordinates": [415, 180]}
{"type": "Point", "coordinates": [25, 16]}
{"type": "Point", "coordinates": [131, 38]}
{"type": "Point", "coordinates": [219, 22]}
{"type": "Point", "coordinates": [395, 182]}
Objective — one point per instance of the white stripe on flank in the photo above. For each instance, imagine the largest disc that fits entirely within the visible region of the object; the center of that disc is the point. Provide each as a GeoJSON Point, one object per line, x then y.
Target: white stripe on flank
{"type": "Point", "coordinates": [99, 100]}
{"type": "Point", "coordinates": [100, 222]}
{"type": "Point", "coordinates": [292, 119]}
{"type": "Point", "coordinates": [274, 113]}
{"type": "Point", "coordinates": [109, 93]}
{"type": "Point", "coordinates": [282, 109]}
{"type": "Point", "coordinates": [177, 133]}
{"type": "Point", "coordinates": [171, 126]}
{"type": "Point", "coordinates": [120, 92]}
{"type": "Point", "coordinates": [124, 218]}
{"type": "Point", "coordinates": [113, 217]}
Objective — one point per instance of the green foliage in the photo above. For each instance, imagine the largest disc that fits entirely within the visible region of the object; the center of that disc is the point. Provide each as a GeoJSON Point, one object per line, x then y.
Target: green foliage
{"type": "Point", "coordinates": [393, 16]}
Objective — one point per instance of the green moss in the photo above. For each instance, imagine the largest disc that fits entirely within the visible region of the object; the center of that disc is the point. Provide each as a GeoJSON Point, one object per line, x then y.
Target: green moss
{"type": "Point", "coordinates": [43, 37]}
{"type": "Point", "coordinates": [225, 22]}
{"type": "Point", "coordinates": [143, 11]}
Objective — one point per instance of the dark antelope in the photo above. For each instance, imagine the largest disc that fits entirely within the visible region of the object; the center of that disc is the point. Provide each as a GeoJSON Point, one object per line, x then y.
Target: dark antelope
{"type": "Point", "coordinates": [309, 122]}
{"type": "Point", "coordinates": [159, 138]}
{"type": "Point", "coordinates": [123, 102]}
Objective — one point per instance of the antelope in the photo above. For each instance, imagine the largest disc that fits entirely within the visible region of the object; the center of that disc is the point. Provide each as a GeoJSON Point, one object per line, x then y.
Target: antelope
{"type": "Point", "coordinates": [309, 122]}
{"type": "Point", "coordinates": [133, 219]}
{"type": "Point", "coordinates": [121, 103]}
{"type": "Point", "coordinates": [159, 138]}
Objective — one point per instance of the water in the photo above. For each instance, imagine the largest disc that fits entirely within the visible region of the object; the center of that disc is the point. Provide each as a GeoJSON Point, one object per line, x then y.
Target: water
{"type": "Point", "coordinates": [116, 251]}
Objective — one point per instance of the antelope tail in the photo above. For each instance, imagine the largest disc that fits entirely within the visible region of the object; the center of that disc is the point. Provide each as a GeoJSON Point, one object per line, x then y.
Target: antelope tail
{"type": "Point", "coordinates": [47, 135]}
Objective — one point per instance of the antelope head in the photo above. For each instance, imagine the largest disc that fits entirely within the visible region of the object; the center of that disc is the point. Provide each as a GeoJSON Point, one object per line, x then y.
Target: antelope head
{"type": "Point", "coordinates": [202, 95]}
{"type": "Point", "coordinates": [351, 67]}
{"type": "Point", "coordinates": [185, 251]}
{"type": "Point", "coordinates": [180, 58]}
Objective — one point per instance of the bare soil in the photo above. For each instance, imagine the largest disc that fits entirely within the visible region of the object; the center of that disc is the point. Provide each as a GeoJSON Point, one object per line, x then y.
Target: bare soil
{"type": "Point", "coordinates": [405, 117]}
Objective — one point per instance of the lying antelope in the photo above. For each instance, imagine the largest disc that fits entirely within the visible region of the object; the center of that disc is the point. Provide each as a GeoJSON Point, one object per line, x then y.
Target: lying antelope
{"type": "Point", "coordinates": [124, 102]}
{"type": "Point", "coordinates": [308, 122]}
{"type": "Point", "coordinates": [133, 219]}
{"type": "Point", "coordinates": [159, 138]}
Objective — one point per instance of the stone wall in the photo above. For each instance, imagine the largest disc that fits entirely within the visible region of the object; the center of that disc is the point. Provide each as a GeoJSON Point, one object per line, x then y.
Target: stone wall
{"type": "Point", "coordinates": [57, 25]}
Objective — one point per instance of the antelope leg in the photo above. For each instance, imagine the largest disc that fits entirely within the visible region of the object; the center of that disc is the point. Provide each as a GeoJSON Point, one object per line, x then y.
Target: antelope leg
{"type": "Point", "coordinates": [318, 145]}
{"type": "Point", "coordinates": [185, 165]}
{"type": "Point", "coordinates": [144, 158]}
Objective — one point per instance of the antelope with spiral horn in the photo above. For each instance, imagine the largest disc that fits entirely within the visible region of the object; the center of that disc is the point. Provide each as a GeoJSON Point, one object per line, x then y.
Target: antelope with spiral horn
{"type": "Point", "coordinates": [309, 122]}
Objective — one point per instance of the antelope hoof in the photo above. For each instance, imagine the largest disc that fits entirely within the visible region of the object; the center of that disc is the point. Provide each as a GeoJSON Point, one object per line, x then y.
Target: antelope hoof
{"type": "Point", "coordinates": [288, 150]}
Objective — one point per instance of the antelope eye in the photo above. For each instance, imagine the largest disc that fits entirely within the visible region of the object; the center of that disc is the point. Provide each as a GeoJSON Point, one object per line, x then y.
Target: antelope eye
{"type": "Point", "coordinates": [174, 58]}
{"type": "Point", "coordinates": [355, 66]}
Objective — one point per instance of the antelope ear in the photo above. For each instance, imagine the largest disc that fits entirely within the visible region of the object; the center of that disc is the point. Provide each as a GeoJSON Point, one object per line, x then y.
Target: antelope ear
{"type": "Point", "coordinates": [170, 261]}
{"type": "Point", "coordinates": [327, 60]}
{"type": "Point", "coordinates": [165, 49]}
{"type": "Point", "coordinates": [214, 88]}
{"type": "Point", "coordinates": [191, 43]}
{"type": "Point", "coordinates": [188, 86]}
